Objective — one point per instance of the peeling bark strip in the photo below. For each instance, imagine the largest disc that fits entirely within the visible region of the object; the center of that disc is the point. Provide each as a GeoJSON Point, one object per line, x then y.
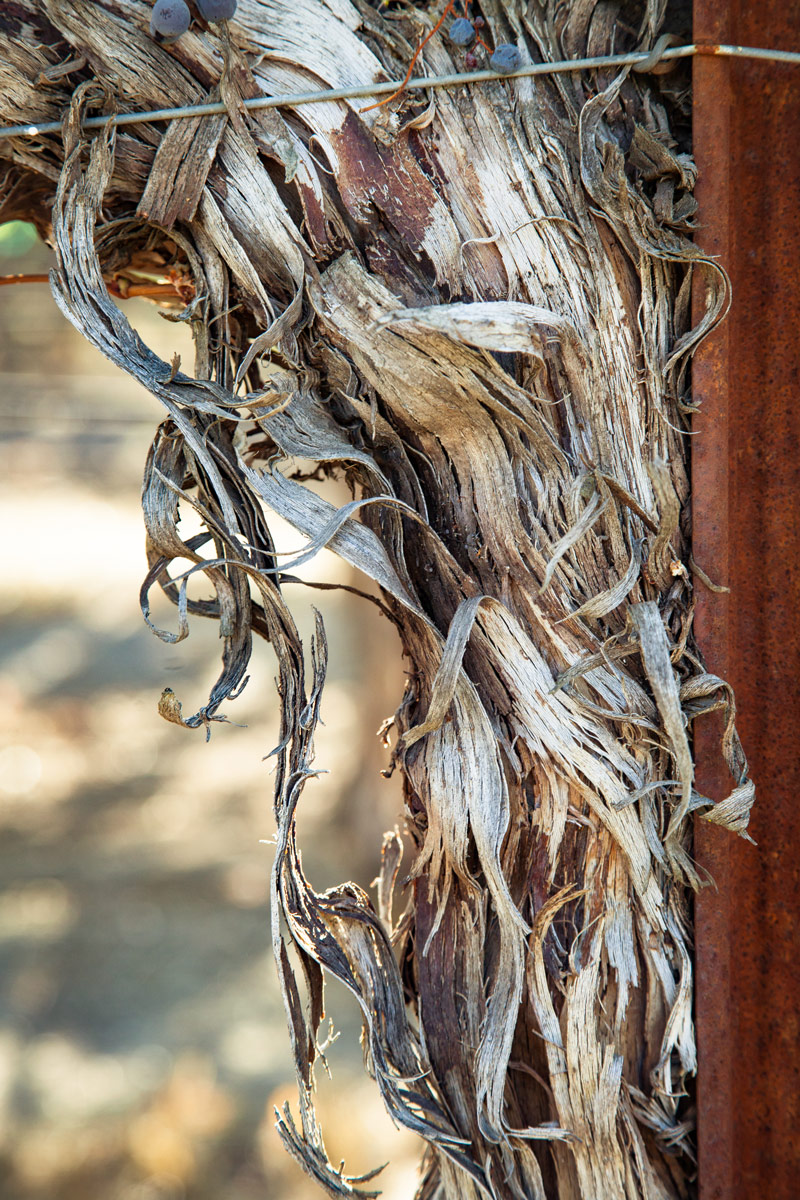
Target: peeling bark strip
{"type": "Point", "coordinates": [478, 308]}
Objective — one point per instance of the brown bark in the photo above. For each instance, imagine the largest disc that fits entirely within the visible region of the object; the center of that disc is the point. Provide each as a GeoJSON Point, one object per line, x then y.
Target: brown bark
{"type": "Point", "coordinates": [475, 306]}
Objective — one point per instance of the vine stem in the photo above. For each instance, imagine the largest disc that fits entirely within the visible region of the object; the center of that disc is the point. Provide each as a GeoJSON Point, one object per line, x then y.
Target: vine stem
{"type": "Point", "coordinates": [380, 103]}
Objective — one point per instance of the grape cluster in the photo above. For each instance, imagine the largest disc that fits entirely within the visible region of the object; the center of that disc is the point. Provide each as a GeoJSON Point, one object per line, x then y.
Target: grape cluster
{"type": "Point", "coordinates": [462, 32]}
{"type": "Point", "coordinates": [216, 10]}
{"type": "Point", "coordinates": [506, 59]}
{"type": "Point", "coordinates": [170, 19]}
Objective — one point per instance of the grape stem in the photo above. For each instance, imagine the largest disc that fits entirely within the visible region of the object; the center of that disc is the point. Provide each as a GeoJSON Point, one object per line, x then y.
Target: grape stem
{"type": "Point", "coordinates": [133, 289]}
{"type": "Point", "coordinates": [380, 103]}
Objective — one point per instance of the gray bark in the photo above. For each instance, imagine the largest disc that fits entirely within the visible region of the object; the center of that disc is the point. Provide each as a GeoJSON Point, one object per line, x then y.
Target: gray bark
{"type": "Point", "coordinates": [475, 306]}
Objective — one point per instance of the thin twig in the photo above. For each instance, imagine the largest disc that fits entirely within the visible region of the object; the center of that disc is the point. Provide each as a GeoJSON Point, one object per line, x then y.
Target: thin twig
{"type": "Point", "coordinates": [417, 52]}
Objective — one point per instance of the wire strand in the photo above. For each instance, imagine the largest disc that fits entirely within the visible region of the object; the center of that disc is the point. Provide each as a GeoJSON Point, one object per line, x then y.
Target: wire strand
{"type": "Point", "coordinates": [419, 83]}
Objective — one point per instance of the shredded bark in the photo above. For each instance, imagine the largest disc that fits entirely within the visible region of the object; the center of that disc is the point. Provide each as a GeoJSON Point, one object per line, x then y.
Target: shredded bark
{"type": "Point", "coordinates": [475, 307]}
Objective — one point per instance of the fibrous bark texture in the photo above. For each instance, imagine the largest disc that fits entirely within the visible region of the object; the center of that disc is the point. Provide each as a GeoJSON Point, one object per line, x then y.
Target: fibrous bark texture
{"type": "Point", "coordinates": [474, 304]}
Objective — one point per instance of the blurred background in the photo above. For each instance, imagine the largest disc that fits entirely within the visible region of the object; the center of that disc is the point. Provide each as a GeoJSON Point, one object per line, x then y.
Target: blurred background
{"type": "Point", "coordinates": [142, 1036]}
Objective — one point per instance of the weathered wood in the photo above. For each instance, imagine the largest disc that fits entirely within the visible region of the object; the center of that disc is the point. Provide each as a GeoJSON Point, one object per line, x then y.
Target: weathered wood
{"type": "Point", "coordinates": [180, 169]}
{"type": "Point", "coordinates": [481, 317]}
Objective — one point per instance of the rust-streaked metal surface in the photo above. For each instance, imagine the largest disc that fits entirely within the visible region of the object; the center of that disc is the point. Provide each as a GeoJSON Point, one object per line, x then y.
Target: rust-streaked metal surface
{"type": "Point", "coordinates": [746, 500]}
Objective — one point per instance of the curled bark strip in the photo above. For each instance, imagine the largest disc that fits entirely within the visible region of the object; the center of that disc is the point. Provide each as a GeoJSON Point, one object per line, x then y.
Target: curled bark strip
{"type": "Point", "coordinates": [605, 602]}
{"type": "Point", "coordinates": [445, 682]}
{"type": "Point", "coordinates": [391, 854]}
{"type": "Point", "coordinates": [670, 511]}
{"type": "Point", "coordinates": [655, 654]}
{"type": "Point", "coordinates": [590, 514]}
{"type": "Point", "coordinates": [511, 422]}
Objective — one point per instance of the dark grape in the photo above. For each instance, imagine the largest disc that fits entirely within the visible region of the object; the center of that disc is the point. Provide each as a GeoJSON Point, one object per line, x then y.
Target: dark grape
{"type": "Point", "coordinates": [478, 22]}
{"type": "Point", "coordinates": [506, 59]}
{"type": "Point", "coordinates": [470, 61]}
{"type": "Point", "coordinates": [169, 20]}
{"type": "Point", "coordinates": [462, 32]}
{"type": "Point", "coordinates": [216, 10]}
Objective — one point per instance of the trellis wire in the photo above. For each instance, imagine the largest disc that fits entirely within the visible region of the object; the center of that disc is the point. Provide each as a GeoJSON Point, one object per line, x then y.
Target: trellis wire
{"type": "Point", "coordinates": [648, 59]}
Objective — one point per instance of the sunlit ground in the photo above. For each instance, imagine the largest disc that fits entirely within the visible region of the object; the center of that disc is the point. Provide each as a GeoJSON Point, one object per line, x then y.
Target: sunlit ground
{"type": "Point", "coordinates": [142, 1037]}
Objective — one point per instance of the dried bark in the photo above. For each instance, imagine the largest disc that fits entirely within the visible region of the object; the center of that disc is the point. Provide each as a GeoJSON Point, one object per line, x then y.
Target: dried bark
{"type": "Point", "coordinates": [475, 306]}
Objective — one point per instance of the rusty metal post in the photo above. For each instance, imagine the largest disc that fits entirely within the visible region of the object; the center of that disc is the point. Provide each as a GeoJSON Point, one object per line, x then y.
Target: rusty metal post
{"type": "Point", "coordinates": [746, 533]}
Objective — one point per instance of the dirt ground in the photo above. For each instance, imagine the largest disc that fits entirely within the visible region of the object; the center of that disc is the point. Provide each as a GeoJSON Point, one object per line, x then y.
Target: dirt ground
{"type": "Point", "coordinates": [142, 1037]}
